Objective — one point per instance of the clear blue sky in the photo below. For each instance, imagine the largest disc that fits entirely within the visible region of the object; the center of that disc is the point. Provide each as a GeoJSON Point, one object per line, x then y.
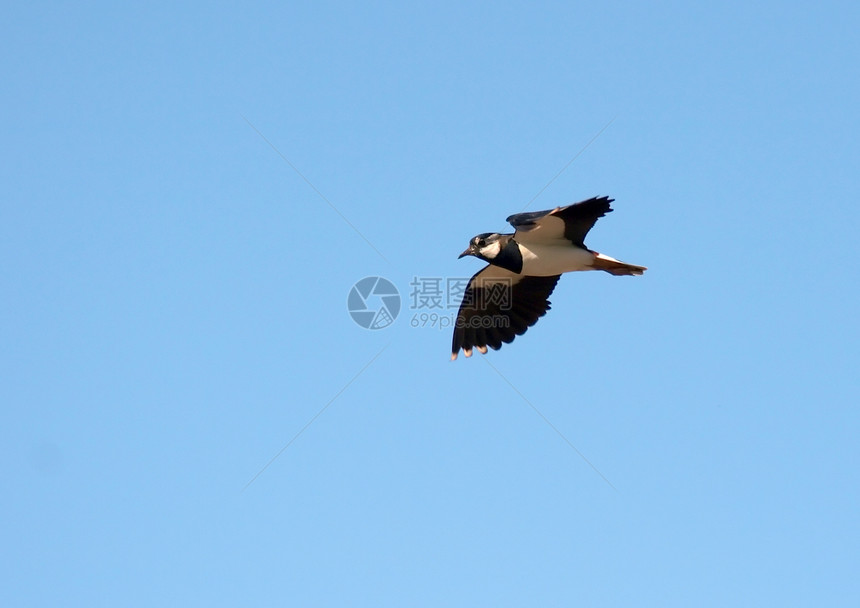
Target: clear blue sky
{"type": "Point", "coordinates": [174, 305]}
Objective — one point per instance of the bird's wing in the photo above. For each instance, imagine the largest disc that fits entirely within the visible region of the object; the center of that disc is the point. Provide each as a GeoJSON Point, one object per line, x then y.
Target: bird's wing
{"type": "Point", "coordinates": [499, 305]}
{"type": "Point", "coordinates": [571, 222]}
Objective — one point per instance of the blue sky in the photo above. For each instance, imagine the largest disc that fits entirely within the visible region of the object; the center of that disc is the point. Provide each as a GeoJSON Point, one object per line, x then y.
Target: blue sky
{"type": "Point", "coordinates": [174, 305]}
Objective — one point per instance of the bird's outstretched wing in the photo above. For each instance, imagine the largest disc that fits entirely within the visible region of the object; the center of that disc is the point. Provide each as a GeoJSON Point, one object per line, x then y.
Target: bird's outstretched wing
{"type": "Point", "coordinates": [499, 305]}
{"type": "Point", "coordinates": [571, 222]}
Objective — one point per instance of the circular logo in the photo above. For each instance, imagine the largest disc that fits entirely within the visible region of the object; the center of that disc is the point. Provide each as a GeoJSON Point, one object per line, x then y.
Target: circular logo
{"type": "Point", "coordinates": [374, 302]}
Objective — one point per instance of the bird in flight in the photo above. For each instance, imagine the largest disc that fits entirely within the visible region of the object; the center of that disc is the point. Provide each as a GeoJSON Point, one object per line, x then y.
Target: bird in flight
{"type": "Point", "coordinates": [510, 294]}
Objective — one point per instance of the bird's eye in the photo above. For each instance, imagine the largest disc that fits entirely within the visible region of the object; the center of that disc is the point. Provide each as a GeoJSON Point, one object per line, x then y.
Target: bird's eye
{"type": "Point", "coordinates": [482, 243]}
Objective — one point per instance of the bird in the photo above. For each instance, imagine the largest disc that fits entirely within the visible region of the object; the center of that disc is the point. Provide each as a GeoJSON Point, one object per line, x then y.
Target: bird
{"type": "Point", "coordinates": [509, 295]}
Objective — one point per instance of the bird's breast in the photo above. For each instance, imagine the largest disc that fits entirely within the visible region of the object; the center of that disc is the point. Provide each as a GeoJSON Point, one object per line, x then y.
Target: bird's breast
{"type": "Point", "coordinates": [549, 260]}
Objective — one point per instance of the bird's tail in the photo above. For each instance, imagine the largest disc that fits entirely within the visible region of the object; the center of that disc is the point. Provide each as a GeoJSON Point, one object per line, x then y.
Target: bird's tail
{"type": "Point", "coordinates": [616, 267]}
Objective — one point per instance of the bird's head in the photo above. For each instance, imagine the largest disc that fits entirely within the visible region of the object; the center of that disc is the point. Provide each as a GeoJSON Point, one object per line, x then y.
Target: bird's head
{"type": "Point", "coordinates": [485, 246]}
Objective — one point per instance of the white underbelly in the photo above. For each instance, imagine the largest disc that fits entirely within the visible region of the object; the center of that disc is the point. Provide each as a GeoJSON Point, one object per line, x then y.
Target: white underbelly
{"type": "Point", "coordinates": [549, 260]}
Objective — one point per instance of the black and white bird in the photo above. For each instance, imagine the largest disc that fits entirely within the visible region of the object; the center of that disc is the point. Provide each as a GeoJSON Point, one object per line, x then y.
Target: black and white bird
{"type": "Point", "coordinates": [510, 294]}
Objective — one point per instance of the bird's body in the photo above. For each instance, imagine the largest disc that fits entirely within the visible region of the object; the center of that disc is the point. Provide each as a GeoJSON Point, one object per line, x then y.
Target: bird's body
{"type": "Point", "coordinates": [509, 295]}
{"type": "Point", "coordinates": [553, 258]}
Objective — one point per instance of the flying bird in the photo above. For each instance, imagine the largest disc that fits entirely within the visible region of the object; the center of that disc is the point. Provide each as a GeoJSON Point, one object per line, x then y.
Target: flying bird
{"type": "Point", "coordinates": [510, 294]}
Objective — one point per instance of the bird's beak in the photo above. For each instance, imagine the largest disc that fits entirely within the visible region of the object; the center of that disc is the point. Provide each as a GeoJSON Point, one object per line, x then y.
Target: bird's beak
{"type": "Point", "coordinates": [465, 253]}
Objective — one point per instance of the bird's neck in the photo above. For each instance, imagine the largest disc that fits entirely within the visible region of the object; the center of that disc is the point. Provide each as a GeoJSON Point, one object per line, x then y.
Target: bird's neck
{"type": "Point", "coordinates": [509, 257]}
